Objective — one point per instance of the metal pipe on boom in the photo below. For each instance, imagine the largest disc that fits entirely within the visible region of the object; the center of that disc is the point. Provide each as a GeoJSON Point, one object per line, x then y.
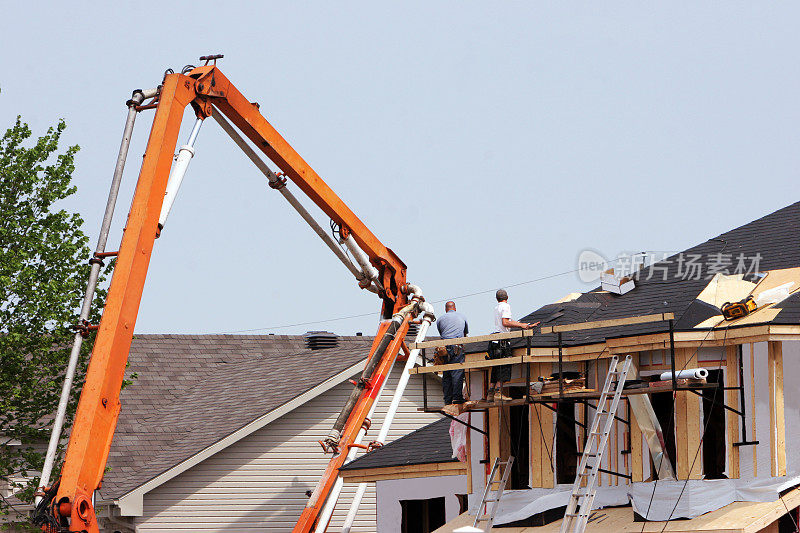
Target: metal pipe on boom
{"type": "Point", "coordinates": [330, 503]}
{"type": "Point", "coordinates": [280, 184]}
{"type": "Point", "coordinates": [427, 318]}
{"type": "Point", "coordinates": [331, 442]}
{"type": "Point", "coordinates": [136, 99]}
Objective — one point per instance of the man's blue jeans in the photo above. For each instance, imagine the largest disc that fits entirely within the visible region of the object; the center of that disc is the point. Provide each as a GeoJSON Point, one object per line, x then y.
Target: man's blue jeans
{"type": "Point", "coordinates": [453, 380]}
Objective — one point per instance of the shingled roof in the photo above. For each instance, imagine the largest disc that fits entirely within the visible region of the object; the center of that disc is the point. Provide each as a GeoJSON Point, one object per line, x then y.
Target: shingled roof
{"type": "Point", "coordinates": [774, 239]}
{"type": "Point", "coordinates": [194, 390]}
{"type": "Point", "coordinates": [429, 444]}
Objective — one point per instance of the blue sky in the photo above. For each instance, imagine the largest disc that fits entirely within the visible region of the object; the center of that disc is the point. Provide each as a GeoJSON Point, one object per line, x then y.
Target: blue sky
{"type": "Point", "coordinates": [486, 144]}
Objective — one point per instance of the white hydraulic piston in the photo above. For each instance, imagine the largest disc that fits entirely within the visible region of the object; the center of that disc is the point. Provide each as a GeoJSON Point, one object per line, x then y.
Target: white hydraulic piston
{"type": "Point", "coordinates": [177, 173]}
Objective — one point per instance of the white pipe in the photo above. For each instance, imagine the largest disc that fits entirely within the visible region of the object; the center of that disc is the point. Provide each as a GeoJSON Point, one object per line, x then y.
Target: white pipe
{"type": "Point", "coordinates": [369, 272]}
{"type": "Point", "coordinates": [177, 173]}
{"type": "Point", "coordinates": [427, 318]}
{"type": "Point", "coordinates": [689, 373]}
{"type": "Point", "coordinates": [150, 93]}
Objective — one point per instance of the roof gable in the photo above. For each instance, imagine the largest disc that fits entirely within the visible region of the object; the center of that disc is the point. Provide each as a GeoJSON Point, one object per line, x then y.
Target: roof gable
{"type": "Point", "coordinates": [196, 391]}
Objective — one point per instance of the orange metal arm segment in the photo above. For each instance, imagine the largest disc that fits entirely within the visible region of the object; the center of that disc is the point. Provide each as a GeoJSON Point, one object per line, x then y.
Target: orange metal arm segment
{"type": "Point", "coordinates": [246, 116]}
{"type": "Point", "coordinates": [99, 405]}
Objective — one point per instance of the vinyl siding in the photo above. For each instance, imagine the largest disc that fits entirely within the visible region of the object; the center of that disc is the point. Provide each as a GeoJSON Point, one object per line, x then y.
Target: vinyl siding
{"type": "Point", "coordinates": [260, 482]}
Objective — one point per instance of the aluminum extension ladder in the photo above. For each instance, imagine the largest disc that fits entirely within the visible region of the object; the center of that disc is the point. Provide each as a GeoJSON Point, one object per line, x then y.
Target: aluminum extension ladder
{"type": "Point", "coordinates": [580, 502]}
{"type": "Point", "coordinates": [488, 518]}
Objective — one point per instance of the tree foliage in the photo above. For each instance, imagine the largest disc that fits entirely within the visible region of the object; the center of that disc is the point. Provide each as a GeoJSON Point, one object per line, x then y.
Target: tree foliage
{"type": "Point", "coordinates": [43, 274]}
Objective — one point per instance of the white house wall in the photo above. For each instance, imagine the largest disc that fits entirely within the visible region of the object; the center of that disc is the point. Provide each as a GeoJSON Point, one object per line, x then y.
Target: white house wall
{"type": "Point", "coordinates": [391, 492]}
{"type": "Point", "coordinates": [259, 483]}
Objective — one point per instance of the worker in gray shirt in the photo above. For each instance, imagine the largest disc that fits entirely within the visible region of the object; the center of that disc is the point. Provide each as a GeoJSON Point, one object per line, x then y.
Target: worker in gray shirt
{"type": "Point", "coordinates": [453, 325]}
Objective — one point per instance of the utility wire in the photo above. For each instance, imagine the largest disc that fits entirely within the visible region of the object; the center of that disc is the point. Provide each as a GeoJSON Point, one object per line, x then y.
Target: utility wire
{"type": "Point", "coordinates": [373, 313]}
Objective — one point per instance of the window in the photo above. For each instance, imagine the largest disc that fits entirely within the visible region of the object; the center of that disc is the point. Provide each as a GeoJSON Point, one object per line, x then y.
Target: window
{"type": "Point", "coordinates": [422, 516]}
{"type": "Point", "coordinates": [463, 503]}
{"type": "Point", "coordinates": [714, 424]}
{"type": "Point", "coordinates": [664, 408]}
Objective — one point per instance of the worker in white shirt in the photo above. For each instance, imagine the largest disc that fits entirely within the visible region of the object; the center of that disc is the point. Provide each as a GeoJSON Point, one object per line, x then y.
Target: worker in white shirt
{"type": "Point", "coordinates": [503, 323]}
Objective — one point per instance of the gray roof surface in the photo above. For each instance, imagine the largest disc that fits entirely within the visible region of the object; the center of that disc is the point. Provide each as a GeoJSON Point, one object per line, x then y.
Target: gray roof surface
{"type": "Point", "coordinates": [775, 238]}
{"type": "Point", "coordinates": [193, 390]}
{"type": "Point", "coordinates": [428, 444]}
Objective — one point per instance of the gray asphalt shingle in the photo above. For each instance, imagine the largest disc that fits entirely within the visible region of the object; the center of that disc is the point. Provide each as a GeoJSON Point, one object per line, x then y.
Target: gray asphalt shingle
{"type": "Point", "coordinates": [428, 444]}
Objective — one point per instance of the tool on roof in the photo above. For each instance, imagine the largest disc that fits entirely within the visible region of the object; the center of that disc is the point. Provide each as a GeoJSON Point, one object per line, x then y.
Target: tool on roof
{"type": "Point", "coordinates": [742, 308]}
{"type": "Point", "coordinates": [67, 505]}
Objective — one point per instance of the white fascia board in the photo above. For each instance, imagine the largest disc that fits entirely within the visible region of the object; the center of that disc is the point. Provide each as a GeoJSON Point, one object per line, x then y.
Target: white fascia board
{"type": "Point", "coordinates": [132, 502]}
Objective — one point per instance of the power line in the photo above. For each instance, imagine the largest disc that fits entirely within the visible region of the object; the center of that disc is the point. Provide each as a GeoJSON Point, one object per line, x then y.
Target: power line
{"type": "Point", "coordinates": [373, 313]}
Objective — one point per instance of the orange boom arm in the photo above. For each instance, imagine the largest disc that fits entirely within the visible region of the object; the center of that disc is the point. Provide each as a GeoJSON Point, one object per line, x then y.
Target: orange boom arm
{"type": "Point", "coordinates": [205, 88]}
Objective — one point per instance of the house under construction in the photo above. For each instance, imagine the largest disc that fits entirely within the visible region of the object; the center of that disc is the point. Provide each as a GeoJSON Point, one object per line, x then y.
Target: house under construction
{"type": "Point", "coordinates": [650, 407]}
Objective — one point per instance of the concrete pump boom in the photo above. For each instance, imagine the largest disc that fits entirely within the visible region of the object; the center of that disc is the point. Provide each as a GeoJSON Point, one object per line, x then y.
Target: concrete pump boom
{"type": "Point", "coordinates": [67, 504]}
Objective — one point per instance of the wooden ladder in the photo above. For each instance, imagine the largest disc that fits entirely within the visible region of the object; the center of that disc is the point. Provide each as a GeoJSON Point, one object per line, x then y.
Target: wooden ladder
{"type": "Point", "coordinates": [580, 502]}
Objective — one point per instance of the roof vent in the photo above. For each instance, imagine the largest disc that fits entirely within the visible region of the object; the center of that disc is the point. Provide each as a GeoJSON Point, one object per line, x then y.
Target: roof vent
{"type": "Point", "coordinates": [320, 340]}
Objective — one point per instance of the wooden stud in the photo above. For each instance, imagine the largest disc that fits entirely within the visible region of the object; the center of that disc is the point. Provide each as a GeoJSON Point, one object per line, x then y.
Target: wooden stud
{"type": "Point", "coordinates": [615, 451]}
{"type": "Point", "coordinates": [547, 448]}
{"type": "Point", "coordinates": [637, 455]}
{"type": "Point", "coordinates": [693, 436]}
{"type": "Point", "coordinates": [493, 429]}
{"type": "Point", "coordinates": [753, 407]}
{"type": "Point", "coordinates": [469, 456]}
{"type": "Point", "coordinates": [732, 399]}
{"type": "Point", "coordinates": [776, 416]}
{"type": "Point", "coordinates": [779, 414]}
{"type": "Point", "coordinates": [536, 447]}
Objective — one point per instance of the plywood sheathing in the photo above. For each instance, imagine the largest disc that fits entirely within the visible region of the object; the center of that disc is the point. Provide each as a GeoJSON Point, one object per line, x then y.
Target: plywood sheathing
{"type": "Point", "coordinates": [569, 297]}
{"type": "Point", "coordinates": [722, 289]}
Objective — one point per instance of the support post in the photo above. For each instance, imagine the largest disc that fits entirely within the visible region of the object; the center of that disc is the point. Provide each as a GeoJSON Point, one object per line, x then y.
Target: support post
{"type": "Point", "coordinates": [560, 368]}
{"type": "Point", "coordinates": [672, 353]}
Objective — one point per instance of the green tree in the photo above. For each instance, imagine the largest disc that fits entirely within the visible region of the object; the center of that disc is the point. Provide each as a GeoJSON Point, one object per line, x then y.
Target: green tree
{"type": "Point", "coordinates": [43, 274]}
